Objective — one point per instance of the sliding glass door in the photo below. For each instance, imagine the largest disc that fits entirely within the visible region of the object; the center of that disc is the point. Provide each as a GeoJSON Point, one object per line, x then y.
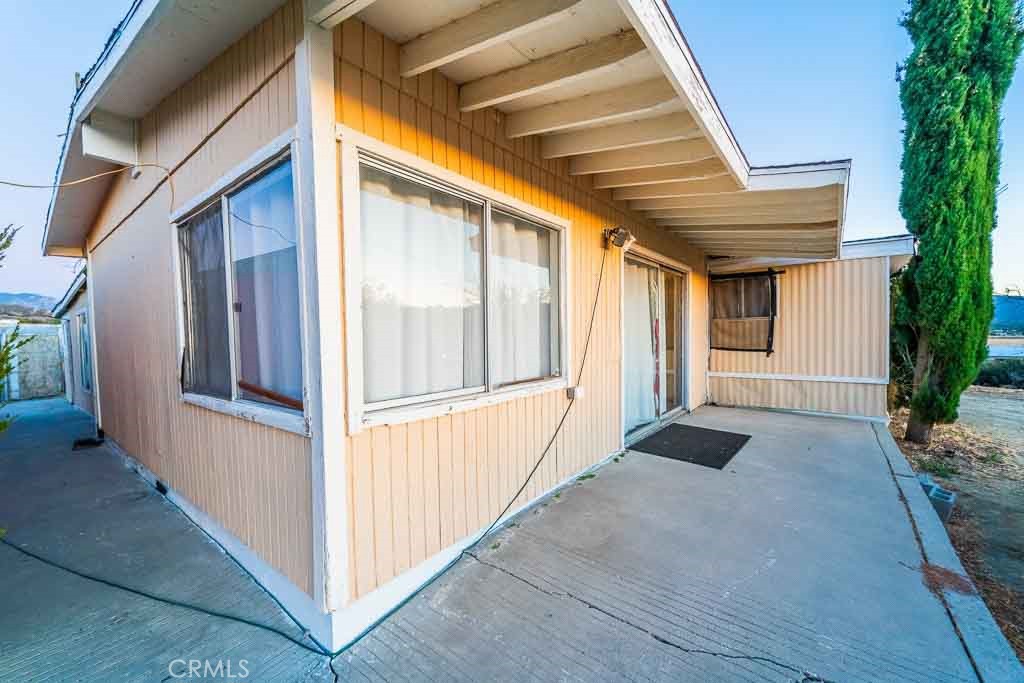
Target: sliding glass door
{"type": "Point", "coordinates": [653, 343]}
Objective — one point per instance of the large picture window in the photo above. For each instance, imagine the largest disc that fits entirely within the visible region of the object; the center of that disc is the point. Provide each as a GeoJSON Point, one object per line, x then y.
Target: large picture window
{"type": "Point", "coordinates": [240, 292]}
{"type": "Point", "coordinates": [459, 297]}
{"type": "Point", "coordinates": [743, 310]}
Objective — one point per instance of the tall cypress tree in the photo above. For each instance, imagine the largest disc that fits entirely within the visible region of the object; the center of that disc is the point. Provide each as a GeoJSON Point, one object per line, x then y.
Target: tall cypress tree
{"type": "Point", "coordinates": [952, 88]}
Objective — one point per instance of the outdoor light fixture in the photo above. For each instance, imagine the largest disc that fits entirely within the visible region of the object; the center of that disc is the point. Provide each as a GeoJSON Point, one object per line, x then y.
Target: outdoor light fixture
{"type": "Point", "coordinates": [619, 237]}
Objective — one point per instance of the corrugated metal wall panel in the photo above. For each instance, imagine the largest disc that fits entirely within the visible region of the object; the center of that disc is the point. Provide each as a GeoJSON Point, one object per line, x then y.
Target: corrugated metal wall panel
{"type": "Point", "coordinates": [418, 487]}
{"type": "Point", "coordinates": [866, 400]}
{"type": "Point", "coordinates": [833, 322]}
{"type": "Point", "coordinates": [253, 480]}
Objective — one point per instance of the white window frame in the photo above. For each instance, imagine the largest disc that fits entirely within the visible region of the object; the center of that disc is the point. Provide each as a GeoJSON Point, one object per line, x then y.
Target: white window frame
{"type": "Point", "coordinates": [280, 417]}
{"type": "Point", "coordinates": [356, 147]}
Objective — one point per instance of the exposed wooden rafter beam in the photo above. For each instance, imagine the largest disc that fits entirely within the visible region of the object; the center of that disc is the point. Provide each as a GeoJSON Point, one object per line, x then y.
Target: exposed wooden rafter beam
{"type": "Point", "coordinates": [488, 26]}
{"type": "Point", "coordinates": [744, 199]}
{"type": "Point", "coordinates": [824, 243]}
{"type": "Point", "coordinates": [741, 235]}
{"type": "Point", "coordinates": [559, 69]}
{"type": "Point", "coordinates": [675, 189]}
{"type": "Point", "coordinates": [741, 228]}
{"type": "Point", "coordinates": [600, 107]}
{"type": "Point", "coordinates": [749, 218]}
{"type": "Point", "coordinates": [701, 170]}
{"type": "Point", "coordinates": [667, 154]}
{"type": "Point", "coordinates": [667, 128]}
{"type": "Point", "coordinates": [820, 254]}
{"type": "Point", "coordinates": [798, 210]}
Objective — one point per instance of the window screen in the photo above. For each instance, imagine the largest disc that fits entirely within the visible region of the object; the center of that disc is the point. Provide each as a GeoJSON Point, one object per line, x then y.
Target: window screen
{"type": "Point", "coordinates": [743, 312]}
{"type": "Point", "coordinates": [206, 366]}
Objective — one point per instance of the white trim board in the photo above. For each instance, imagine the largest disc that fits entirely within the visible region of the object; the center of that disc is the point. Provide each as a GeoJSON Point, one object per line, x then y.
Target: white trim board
{"type": "Point", "coordinates": [836, 379]}
{"type": "Point", "coordinates": [317, 209]}
{"type": "Point", "coordinates": [291, 597]}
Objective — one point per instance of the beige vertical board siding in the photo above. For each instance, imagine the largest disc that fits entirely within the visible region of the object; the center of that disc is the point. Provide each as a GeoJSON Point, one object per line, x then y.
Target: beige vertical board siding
{"type": "Point", "coordinates": [418, 488]}
{"type": "Point", "coordinates": [832, 322]}
{"type": "Point", "coordinates": [79, 395]}
{"type": "Point", "coordinates": [252, 479]}
{"type": "Point", "coordinates": [830, 397]}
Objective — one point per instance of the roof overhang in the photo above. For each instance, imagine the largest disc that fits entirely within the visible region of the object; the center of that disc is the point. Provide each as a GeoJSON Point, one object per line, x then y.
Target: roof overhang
{"type": "Point", "coordinates": [158, 46]}
{"type": "Point", "coordinates": [76, 286]}
{"type": "Point", "coordinates": [611, 86]}
{"type": "Point", "coordinates": [898, 248]}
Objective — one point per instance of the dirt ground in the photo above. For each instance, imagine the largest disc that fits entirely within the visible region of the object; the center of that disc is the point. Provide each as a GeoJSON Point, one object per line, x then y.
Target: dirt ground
{"type": "Point", "coordinates": [982, 458]}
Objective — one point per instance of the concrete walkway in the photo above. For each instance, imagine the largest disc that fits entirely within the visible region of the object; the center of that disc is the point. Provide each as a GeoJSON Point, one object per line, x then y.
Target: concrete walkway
{"type": "Point", "coordinates": [797, 562]}
{"type": "Point", "coordinates": [86, 510]}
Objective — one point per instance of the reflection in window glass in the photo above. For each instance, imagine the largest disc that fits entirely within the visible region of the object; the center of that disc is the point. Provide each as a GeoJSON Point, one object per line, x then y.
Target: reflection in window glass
{"type": "Point", "coordinates": [423, 327]}
{"type": "Point", "coordinates": [524, 269]}
{"type": "Point", "coordinates": [756, 297]}
{"type": "Point", "coordinates": [265, 278]}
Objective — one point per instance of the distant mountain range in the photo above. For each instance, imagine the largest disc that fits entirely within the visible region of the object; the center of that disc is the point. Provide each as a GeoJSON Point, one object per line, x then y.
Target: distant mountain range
{"type": "Point", "coordinates": [25, 305]}
{"type": "Point", "coordinates": [1009, 316]}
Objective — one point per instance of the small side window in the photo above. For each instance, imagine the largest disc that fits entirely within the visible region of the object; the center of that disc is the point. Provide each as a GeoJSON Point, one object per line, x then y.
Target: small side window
{"type": "Point", "coordinates": [743, 311]}
{"type": "Point", "coordinates": [240, 294]}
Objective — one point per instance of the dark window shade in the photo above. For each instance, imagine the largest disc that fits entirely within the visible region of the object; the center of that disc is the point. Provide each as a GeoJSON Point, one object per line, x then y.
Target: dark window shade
{"type": "Point", "coordinates": [743, 312]}
{"type": "Point", "coordinates": [206, 367]}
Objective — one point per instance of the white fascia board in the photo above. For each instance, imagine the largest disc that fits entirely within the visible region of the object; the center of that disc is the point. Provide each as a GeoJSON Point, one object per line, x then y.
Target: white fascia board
{"type": "Point", "coordinates": [77, 284]}
{"type": "Point", "coordinates": [893, 245]}
{"type": "Point", "coordinates": [654, 21]}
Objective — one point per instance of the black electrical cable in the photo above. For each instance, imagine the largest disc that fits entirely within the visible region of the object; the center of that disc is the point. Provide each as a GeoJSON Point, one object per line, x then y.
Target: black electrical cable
{"type": "Point", "coordinates": [320, 649]}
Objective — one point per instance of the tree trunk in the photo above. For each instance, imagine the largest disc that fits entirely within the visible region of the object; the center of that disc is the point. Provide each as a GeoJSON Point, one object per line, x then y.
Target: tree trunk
{"type": "Point", "coordinates": [919, 430]}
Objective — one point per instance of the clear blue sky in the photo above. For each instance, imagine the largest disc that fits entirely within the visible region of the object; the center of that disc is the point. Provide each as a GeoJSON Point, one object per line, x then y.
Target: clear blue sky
{"type": "Point", "coordinates": [797, 80]}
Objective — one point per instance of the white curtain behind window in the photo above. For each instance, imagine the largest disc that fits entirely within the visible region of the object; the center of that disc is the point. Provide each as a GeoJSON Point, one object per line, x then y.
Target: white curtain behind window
{"type": "Point", "coordinates": [640, 288]}
{"type": "Point", "coordinates": [422, 285]}
{"type": "Point", "coordinates": [265, 270]}
{"type": "Point", "coordinates": [524, 328]}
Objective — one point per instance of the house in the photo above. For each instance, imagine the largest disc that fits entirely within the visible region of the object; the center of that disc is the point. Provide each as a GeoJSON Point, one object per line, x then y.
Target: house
{"type": "Point", "coordinates": [76, 343]}
{"type": "Point", "coordinates": [348, 258]}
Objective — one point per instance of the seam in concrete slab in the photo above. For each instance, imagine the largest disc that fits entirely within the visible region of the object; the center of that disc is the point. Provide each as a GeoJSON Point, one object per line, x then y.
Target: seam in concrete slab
{"type": "Point", "coordinates": [805, 676]}
{"type": "Point", "coordinates": [990, 655]}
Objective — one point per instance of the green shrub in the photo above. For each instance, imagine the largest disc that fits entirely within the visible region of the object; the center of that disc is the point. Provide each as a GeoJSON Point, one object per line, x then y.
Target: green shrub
{"type": "Point", "coordinates": [1002, 372]}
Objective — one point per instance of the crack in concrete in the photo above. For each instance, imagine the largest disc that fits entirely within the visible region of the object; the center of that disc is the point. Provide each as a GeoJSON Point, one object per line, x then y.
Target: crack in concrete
{"type": "Point", "coordinates": [805, 676]}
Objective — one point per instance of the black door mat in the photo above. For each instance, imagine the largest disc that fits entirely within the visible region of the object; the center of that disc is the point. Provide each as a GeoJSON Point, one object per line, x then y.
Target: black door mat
{"type": "Point", "coordinates": [707, 447]}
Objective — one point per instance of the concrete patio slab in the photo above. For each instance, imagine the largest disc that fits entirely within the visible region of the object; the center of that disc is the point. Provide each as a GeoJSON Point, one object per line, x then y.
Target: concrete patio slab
{"type": "Point", "coordinates": [797, 562]}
